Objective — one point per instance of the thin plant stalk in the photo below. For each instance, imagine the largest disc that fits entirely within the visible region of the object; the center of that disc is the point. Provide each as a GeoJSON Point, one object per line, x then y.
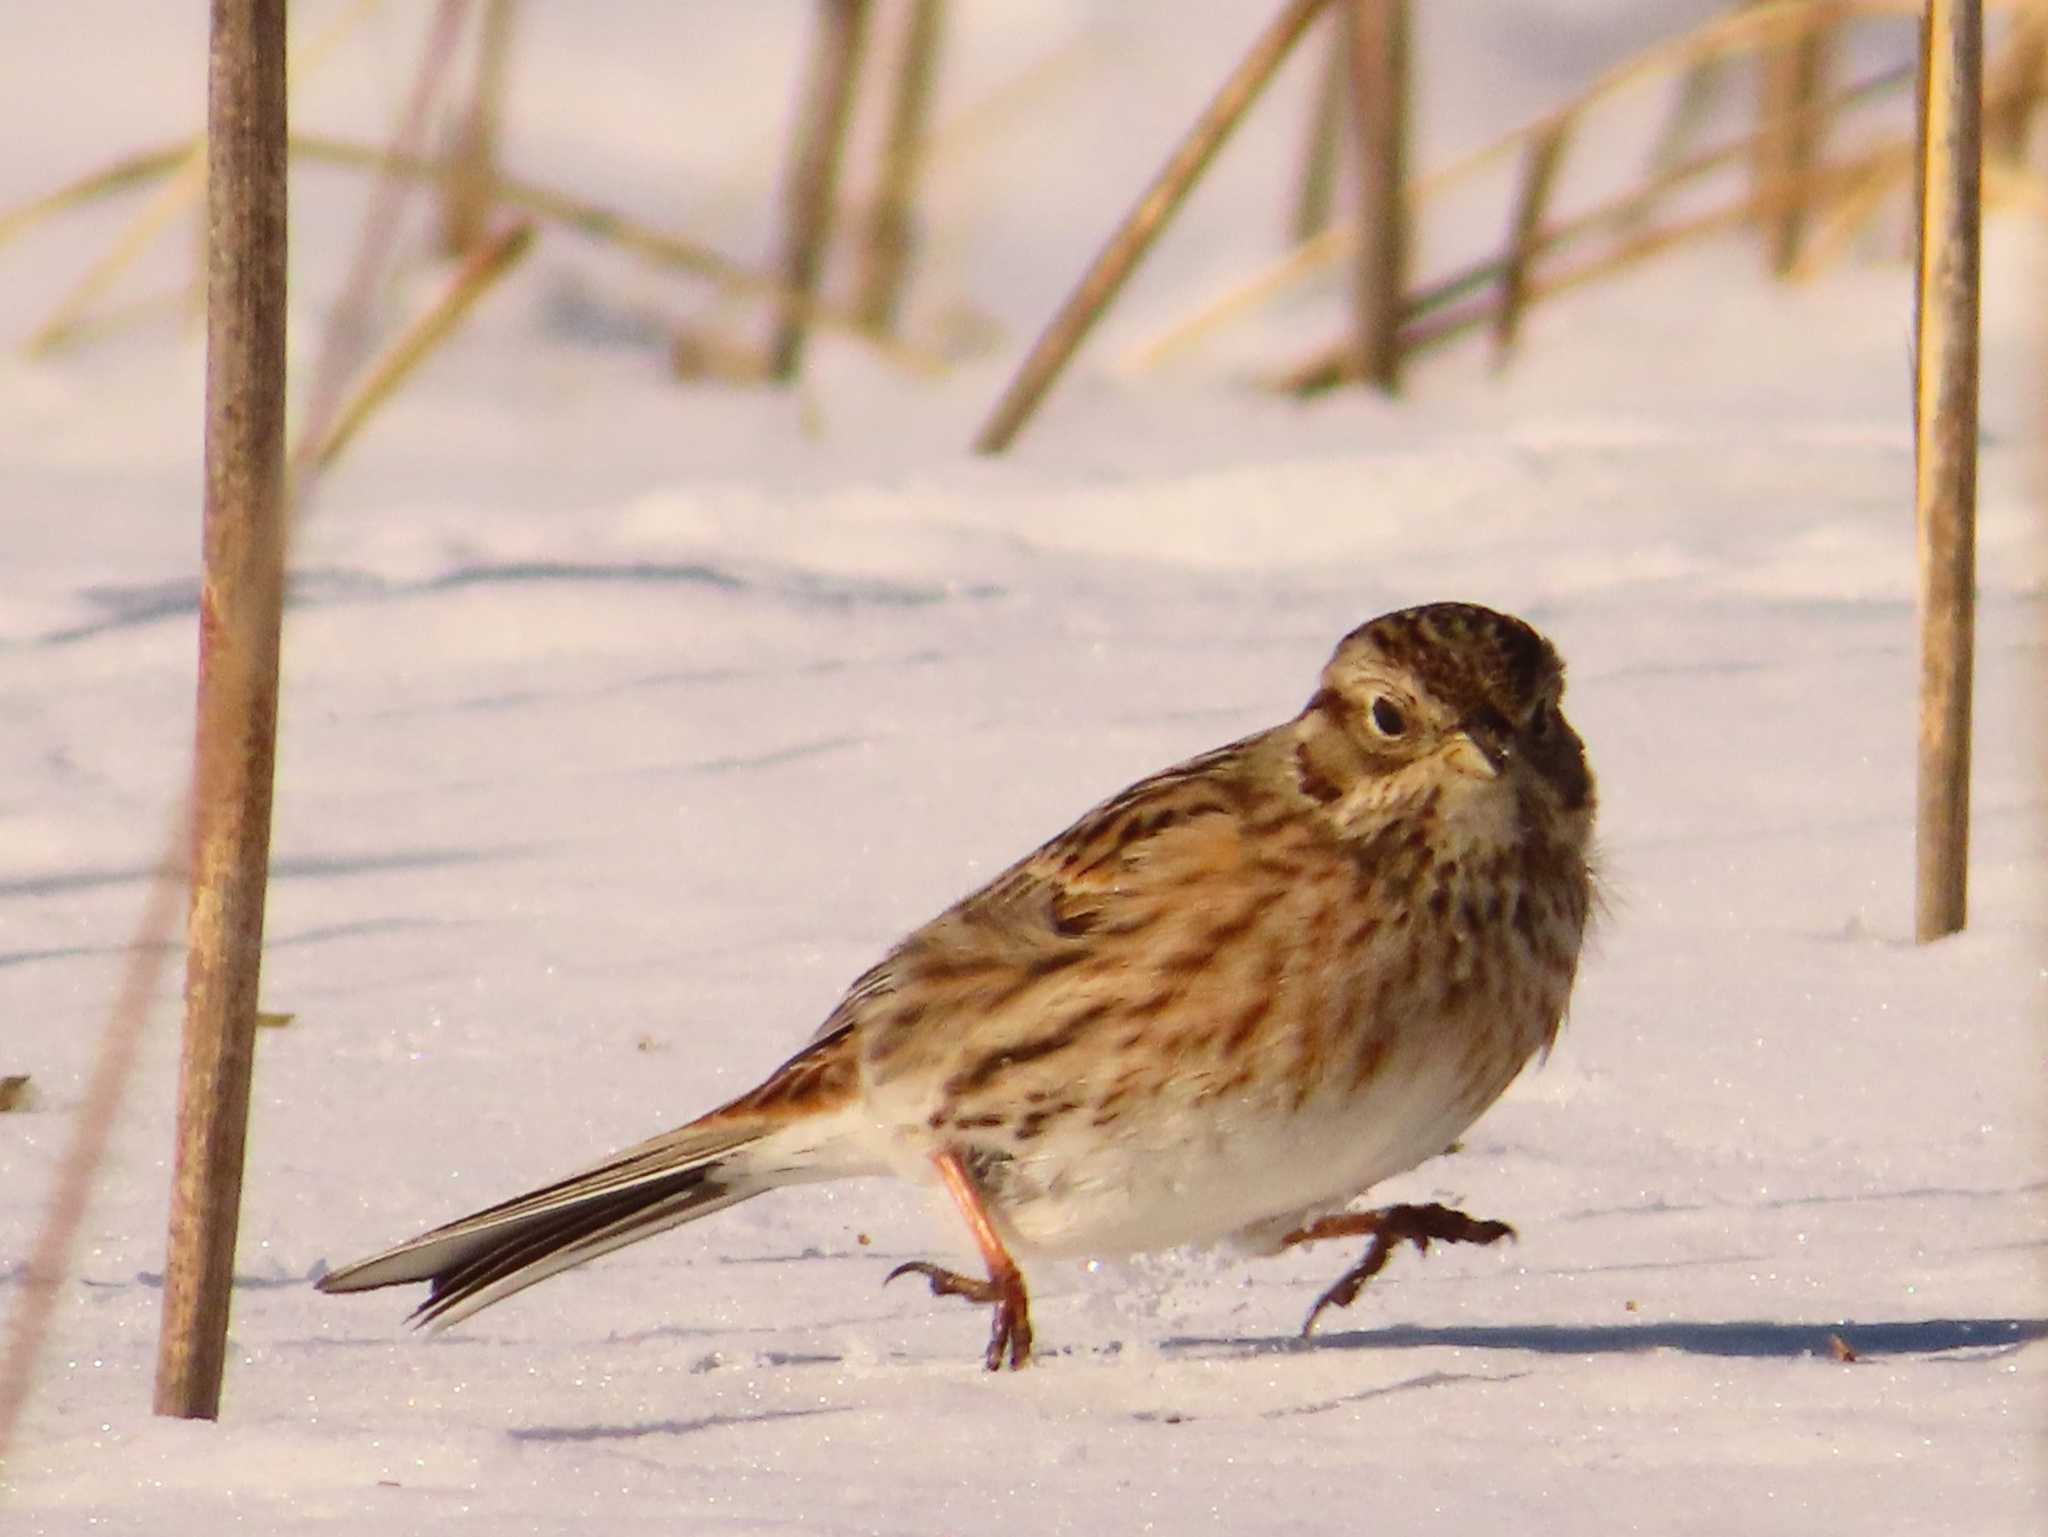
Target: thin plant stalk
{"type": "Point", "coordinates": [346, 337]}
{"type": "Point", "coordinates": [813, 181]}
{"type": "Point", "coordinates": [886, 238]}
{"type": "Point", "coordinates": [138, 169]}
{"type": "Point", "coordinates": [1036, 88]}
{"type": "Point", "coordinates": [2013, 85]}
{"type": "Point", "coordinates": [478, 276]}
{"type": "Point", "coordinates": [1133, 237]}
{"type": "Point", "coordinates": [1729, 35]}
{"type": "Point", "coordinates": [1792, 79]}
{"type": "Point", "coordinates": [469, 187]}
{"type": "Point", "coordinates": [1532, 201]}
{"type": "Point", "coordinates": [1699, 91]}
{"type": "Point", "coordinates": [1469, 298]}
{"type": "Point", "coordinates": [1622, 210]}
{"type": "Point", "coordinates": [240, 618]}
{"type": "Point", "coordinates": [185, 164]}
{"type": "Point", "coordinates": [1945, 450]}
{"type": "Point", "coordinates": [1376, 49]}
{"type": "Point", "coordinates": [662, 247]}
{"type": "Point", "coordinates": [1315, 196]}
{"type": "Point", "coordinates": [1850, 211]}
{"type": "Point", "coordinates": [170, 200]}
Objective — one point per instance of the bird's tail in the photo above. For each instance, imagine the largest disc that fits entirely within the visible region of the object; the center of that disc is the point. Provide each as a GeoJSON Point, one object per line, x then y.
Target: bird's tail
{"type": "Point", "coordinates": [781, 1133]}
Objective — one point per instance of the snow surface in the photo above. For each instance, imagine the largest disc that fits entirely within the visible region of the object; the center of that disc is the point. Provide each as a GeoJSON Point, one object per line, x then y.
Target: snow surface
{"type": "Point", "coordinates": [625, 723]}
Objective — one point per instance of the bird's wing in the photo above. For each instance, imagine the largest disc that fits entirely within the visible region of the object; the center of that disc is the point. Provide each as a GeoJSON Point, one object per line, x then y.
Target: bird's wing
{"type": "Point", "coordinates": [1117, 869]}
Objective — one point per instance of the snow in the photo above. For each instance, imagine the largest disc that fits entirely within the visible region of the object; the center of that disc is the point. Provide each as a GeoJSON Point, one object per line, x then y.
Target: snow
{"type": "Point", "coordinates": [626, 722]}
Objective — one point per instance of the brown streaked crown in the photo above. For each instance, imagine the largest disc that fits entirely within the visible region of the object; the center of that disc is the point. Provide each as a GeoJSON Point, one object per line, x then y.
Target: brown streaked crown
{"type": "Point", "coordinates": [1467, 656]}
{"type": "Point", "coordinates": [1442, 667]}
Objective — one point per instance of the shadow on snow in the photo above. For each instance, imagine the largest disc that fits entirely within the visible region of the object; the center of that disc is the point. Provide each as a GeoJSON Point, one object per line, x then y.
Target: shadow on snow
{"type": "Point", "coordinates": [1751, 1338]}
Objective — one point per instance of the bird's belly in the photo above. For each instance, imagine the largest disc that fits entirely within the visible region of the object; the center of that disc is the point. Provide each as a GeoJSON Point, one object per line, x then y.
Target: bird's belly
{"type": "Point", "coordinates": [1240, 1168]}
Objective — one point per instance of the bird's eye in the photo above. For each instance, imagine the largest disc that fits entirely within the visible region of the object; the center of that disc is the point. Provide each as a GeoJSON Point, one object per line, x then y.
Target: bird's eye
{"type": "Point", "coordinates": [1539, 723]}
{"type": "Point", "coordinates": [1387, 717]}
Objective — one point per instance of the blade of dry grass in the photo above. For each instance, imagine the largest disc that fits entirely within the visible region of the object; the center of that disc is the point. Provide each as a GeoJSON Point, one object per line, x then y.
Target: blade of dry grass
{"type": "Point", "coordinates": [885, 240]}
{"type": "Point", "coordinates": [1789, 132]}
{"type": "Point", "coordinates": [1532, 200]}
{"type": "Point", "coordinates": [138, 169]}
{"type": "Point", "coordinates": [813, 181]}
{"type": "Point", "coordinates": [1315, 194]}
{"type": "Point", "coordinates": [2011, 79]}
{"type": "Point", "coordinates": [1461, 303]}
{"type": "Point", "coordinates": [612, 227]}
{"type": "Point", "coordinates": [1141, 226]}
{"type": "Point", "coordinates": [470, 181]}
{"type": "Point", "coordinates": [1699, 92]}
{"type": "Point", "coordinates": [477, 276]}
{"type": "Point", "coordinates": [1730, 36]}
{"type": "Point", "coordinates": [346, 337]}
{"type": "Point", "coordinates": [2022, 69]}
{"type": "Point", "coordinates": [185, 165]}
{"type": "Point", "coordinates": [1625, 208]}
{"type": "Point", "coordinates": [1842, 216]}
{"type": "Point", "coordinates": [2015, 76]}
{"type": "Point", "coordinates": [1376, 48]}
{"type": "Point", "coordinates": [168, 202]}
{"type": "Point", "coordinates": [1035, 88]}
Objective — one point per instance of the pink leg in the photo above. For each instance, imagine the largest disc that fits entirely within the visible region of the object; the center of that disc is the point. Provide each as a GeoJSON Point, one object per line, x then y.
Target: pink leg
{"type": "Point", "coordinates": [1003, 1290]}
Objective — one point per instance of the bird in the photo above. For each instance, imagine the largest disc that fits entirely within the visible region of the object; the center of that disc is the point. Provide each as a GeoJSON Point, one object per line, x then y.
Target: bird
{"type": "Point", "coordinates": [1220, 1007]}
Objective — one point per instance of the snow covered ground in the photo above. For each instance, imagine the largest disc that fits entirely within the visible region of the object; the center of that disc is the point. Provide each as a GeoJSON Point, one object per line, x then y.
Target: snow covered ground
{"type": "Point", "coordinates": [625, 723]}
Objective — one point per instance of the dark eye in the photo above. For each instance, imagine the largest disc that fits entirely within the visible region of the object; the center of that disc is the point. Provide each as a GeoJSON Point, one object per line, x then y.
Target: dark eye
{"type": "Point", "coordinates": [1387, 717]}
{"type": "Point", "coordinates": [1539, 723]}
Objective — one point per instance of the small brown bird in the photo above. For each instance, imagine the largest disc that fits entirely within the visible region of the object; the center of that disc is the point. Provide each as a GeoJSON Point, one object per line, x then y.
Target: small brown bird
{"type": "Point", "coordinates": [1221, 1005]}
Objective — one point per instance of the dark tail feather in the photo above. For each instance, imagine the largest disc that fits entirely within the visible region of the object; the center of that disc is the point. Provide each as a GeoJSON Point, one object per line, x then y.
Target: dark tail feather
{"type": "Point", "coordinates": [780, 1133]}
{"type": "Point", "coordinates": [484, 1258]}
{"type": "Point", "coordinates": [553, 1245]}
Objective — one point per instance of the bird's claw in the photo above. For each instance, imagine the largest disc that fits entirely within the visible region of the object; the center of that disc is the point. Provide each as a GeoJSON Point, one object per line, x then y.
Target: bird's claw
{"type": "Point", "coordinates": [1009, 1341]}
{"type": "Point", "coordinates": [1390, 1228]}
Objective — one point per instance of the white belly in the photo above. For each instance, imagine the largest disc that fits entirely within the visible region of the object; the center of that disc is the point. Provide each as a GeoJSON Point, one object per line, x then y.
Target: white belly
{"type": "Point", "coordinates": [1240, 1170]}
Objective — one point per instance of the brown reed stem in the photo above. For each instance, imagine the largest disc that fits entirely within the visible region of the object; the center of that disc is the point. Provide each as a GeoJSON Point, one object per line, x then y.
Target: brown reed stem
{"type": "Point", "coordinates": [813, 181]}
{"type": "Point", "coordinates": [240, 615]}
{"type": "Point", "coordinates": [1945, 450]}
{"type": "Point", "coordinates": [1315, 197]}
{"type": "Point", "coordinates": [1792, 79]}
{"type": "Point", "coordinates": [2021, 73]}
{"type": "Point", "coordinates": [1458, 303]}
{"type": "Point", "coordinates": [345, 339]}
{"type": "Point", "coordinates": [469, 187]}
{"type": "Point", "coordinates": [1376, 46]}
{"type": "Point", "coordinates": [628, 234]}
{"type": "Point", "coordinates": [885, 242]}
{"type": "Point", "coordinates": [1141, 226]}
{"type": "Point", "coordinates": [480, 273]}
{"type": "Point", "coordinates": [1532, 201]}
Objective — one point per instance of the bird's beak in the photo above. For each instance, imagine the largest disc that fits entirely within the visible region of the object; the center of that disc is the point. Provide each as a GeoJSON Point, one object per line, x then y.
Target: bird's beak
{"type": "Point", "coordinates": [1469, 754]}
{"type": "Point", "coordinates": [1483, 746]}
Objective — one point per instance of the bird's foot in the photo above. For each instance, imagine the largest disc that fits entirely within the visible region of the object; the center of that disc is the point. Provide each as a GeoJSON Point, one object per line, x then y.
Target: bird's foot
{"type": "Point", "coordinates": [1009, 1341]}
{"type": "Point", "coordinates": [1388, 1228]}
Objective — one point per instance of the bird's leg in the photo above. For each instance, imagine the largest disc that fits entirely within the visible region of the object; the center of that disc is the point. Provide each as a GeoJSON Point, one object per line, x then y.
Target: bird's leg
{"type": "Point", "coordinates": [1009, 1341]}
{"type": "Point", "coordinates": [1388, 1228]}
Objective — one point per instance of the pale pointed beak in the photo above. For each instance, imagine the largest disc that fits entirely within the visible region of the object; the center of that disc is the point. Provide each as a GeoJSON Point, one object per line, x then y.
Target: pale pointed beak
{"type": "Point", "coordinates": [1467, 755]}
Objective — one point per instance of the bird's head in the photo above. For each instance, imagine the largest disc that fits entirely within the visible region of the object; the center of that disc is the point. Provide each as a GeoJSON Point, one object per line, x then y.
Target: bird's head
{"type": "Point", "coordinates": [1452, 703]}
